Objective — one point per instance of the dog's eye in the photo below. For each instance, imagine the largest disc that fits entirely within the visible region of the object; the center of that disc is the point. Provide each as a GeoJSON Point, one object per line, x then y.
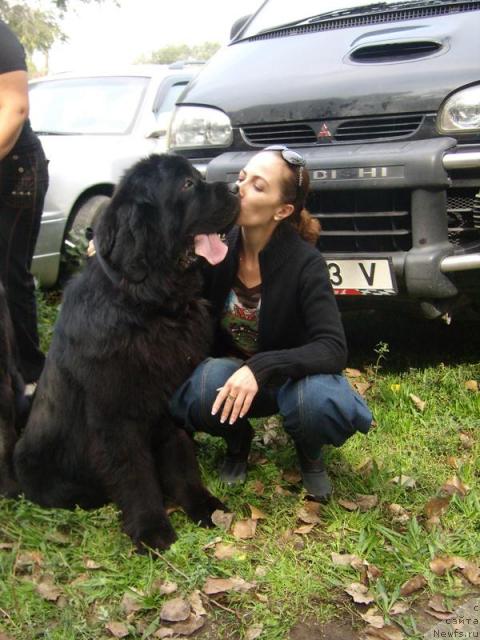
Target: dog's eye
{"type": "Point", "coordinates": [188, 184]}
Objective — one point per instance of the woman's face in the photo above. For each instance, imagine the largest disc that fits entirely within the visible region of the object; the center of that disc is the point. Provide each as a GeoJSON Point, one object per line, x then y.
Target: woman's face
{"type": "Point", "coordinates": [260, 190]}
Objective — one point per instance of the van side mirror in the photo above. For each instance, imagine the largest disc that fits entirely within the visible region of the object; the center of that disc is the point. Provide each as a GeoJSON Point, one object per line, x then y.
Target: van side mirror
{"type": "Point", "coordinates": [238, 25]}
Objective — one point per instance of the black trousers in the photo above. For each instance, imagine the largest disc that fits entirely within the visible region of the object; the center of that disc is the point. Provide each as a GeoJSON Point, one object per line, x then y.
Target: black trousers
{"type": "Point", "coordinates": [23, 184]}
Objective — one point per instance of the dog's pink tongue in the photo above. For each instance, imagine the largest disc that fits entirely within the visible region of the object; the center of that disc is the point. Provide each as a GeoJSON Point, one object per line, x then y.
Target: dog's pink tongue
{"type": "Point", "coordinates": [210, 247]}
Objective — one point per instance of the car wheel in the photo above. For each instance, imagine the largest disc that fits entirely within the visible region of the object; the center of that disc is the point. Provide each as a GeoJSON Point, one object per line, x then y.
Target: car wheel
{"type": "Point", "coordinates": [75, 243]}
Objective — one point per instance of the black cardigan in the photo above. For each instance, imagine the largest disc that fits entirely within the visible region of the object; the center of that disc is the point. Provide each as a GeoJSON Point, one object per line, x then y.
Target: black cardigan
{"type": "Point", "coordinates": [299, 330]}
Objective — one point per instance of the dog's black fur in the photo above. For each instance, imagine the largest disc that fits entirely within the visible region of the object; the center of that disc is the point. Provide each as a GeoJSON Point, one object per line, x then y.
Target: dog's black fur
{"type": "Point", "coordinates": [13, 404]}
{"type": "Point", "coordinates": [128, 335]}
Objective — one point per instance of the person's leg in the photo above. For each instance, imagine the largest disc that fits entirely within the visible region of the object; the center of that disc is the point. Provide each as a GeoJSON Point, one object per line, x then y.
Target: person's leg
{"type": "Point", "coordinates": [191, 407]}
{"type": "Point", "coordinates": [20, 216]}
{"type": "Point", "coordinates": [319, 410]}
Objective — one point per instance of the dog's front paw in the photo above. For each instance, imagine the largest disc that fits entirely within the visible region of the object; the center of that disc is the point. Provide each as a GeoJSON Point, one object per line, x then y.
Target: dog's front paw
{"type": "Point", "coordinates": [201, 512]}
{"type": "Point", "coordinates": [157, 533]}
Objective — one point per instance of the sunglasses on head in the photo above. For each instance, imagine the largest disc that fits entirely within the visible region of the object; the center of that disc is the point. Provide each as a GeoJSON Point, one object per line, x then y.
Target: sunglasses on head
{"type": "Point", "coordinates": [291, 157]}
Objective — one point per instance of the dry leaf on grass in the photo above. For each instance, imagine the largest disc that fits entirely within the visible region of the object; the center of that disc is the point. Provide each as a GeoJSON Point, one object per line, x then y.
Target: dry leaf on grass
{"type": "Point", "coordinates": [308, 515]}
{"type": "Point", "coordinates": [280, 491]}
{"type": "Point", "coordinates": [304, 529]}
{"type": "Point", "coordinates": [175, 610]}
{"type": "Point", "coordinates": [361, 387]}
{"type": "Point", "coordinates": [6, 546]}
{"type": "Point", "coordinates": [353, 373]}
{"type": "Point", "coordinates": [254, 632]}
{"type": "Point", "coordinates": [420, 404]}
{"type": "Point", "coordinates": [258, 487]}
{"type": "Point", "coordinates": [164, 586]}
{"type": "Point", "coordinates": [213, 543]}
{"type": "Point", "coordinates": [453, 462]}
{"type": "Point", "coordinates": [48, 590]}
{"type": "Point", "coordinates": [213, 586]}
{"type": "Point", "coordinates": [292, 476]}
{"type": "Point", "coordinates": [194, 623]}
{"type": "Point", "coordinates": [348, 505]}
{"type": "Point", "coordinates": [244, 529]}
{"type": "Point", "coordinates": [466, 440]}
{"type": "Point", "coordinates": [88, 563]}
{"type": "Point", "coordinates": [222, 519]}
{"type": "Point", "coordinates": [164, 632]}
{"type": "Point", "coordinates": [398, 608]}
{"type": "Point", "coordinates": [389, 632]}
{"type": "Point", "coordinates": [455, 486]}
{"type": "Point", "coordinates": [399, 514]}
{"type": "Point", "coordinates": [366, 468]}
{"type": "Point", "coordinates": [195, 600]}
{"type": "Point", "coordinates": [3, 636]}
{"type": "Point", "coordinates": [404, 481]}
{"type": "Point", "coordinates": [471, 385]}
{"type": "Point", "coordinates": [346, 559]}
{"type": "Point", "coordinates": [27, 559]}
{"type": "Point", "coordinates": [117, 629]}
{"type": "Point", "coordinates": [437, 603]}
{"type": "Point", "coordinates": [130, 604]}
{"type": "Point", "coordinates": [440, 564]}
{"type": "Point", "coordinates": [437, 507]}
{"type": "Point", "coordinates": [362, 502]}
{"type": "Point", "coordinates": [472, 573]}
{"type": "Point", "coordinates": [225, 551]}
{"type": "Point", "coordinates": [359, 593]}
{"type": "Point", "coordinates": [373, 617]}
{"type": "Point", "coordinates": [261, 571]}
{"type": "Point", "coordinates": [414, 584]}
{"type": "Point", "coordinates": [257, 514]}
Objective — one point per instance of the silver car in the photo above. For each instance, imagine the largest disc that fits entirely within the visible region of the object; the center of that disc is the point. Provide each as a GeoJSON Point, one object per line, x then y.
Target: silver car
{"type": "Point", "coordinates": [92, 128]}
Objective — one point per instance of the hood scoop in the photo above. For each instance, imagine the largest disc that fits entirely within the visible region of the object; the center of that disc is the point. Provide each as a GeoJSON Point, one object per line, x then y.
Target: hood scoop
{"type": "Point", "coordinates": [395, 51]}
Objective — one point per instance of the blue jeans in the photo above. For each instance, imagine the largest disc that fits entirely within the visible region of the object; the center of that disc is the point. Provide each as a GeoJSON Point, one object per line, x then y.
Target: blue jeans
{"type": "Point", "coordinates": [317, 410]}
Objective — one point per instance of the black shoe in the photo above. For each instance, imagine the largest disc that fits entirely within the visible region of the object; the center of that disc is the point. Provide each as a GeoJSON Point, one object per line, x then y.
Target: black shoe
{"type": "Point", "coordinates": [233, 469]}
{"type": "Point", "coordinates": [315, 478]}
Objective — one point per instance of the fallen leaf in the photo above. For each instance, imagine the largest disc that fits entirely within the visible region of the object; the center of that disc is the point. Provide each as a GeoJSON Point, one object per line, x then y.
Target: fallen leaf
{"type": "Point", "coordinates": [244, 529]}
{"type": "Point", "coordinates": [345, 559]}
{"type": "Point", "coordinates": [88, 563]}
{"type": "Point", "coordinates": [194, 623]}
{"type": "Point", "coordinates": [195, 600]}
{"type": "Point", "coordinates": [366, 468]}
{"type": "Point", "coordinates": [366, 502]}
{"type": "Point", "coordinates": [453, 462]}
{"type": "Point", "coordinates": [398, 608]}
{"type": "Point", "coordinates": [437, 507]}
{"type": "Point", "coordinates": [6, 546]}
{"type": "Point", "coordinates": [254, 632]}
{"type": "Point", "coordinates": [420, 404]}
{"type": "Point", "coordinates": [359, 593]}
{"type": "Point", "coordinates": [222, 519]}
{"type": "Point", "coordinates": [292, 476]}
{"type": "Point", "coordinates": [472, 574]}
{"type": "Point", "coordinates": [165, 587]}
{"type": "Point", "coordinates": [389, 632]}
{"type": "Point", "coordinates": [28, 558]}
{"type": "Point", "coordinates": [442, 564]}
{"type": "Point", "coordinates": [130, 604]}
{"type": "Point", "coordinates": [57, 537]}
{"type": "Point", "coordinates": [164, 632]}
{"type": "Point", "coordinates": [348, 505]}
{"type": "Point", "coordinates": [373, 572]}
{"type": "Point", "coordinates": [404, 481]}
{"type": "Point", "coordinates": [414, 584]}
{"type": "Point", "coordinates": [304, 529]}
{"type": "Point", "coordinates": [373, 617]}
{"type": "Point", "coordinates": [361, 387]}
{"type": "Point", "coordinates": [466, 440]}
{"type": "Point", "coordinates": [437, 603]}
{"type": "Point", "coordinates": [258, 487]}
{"type": "Point", "coordinates": [262, 597]}
{"type": "Point", "coordinates": [353, 373]}
{"type": "Point", "coordinates": [399, 514]}
{"type": "Point", "coordinates": [307, 516]}
{"type": "Point", "coordinates": [471, 385]}
{"type": "Point", "coordinates": [280, 491]}
{"type": "Point", "coordinates": [221, 585]}
{"type": "Point", "coordinates": [455, 486]}
{"type": "Point", "coordinates": [261, 571]}
{"type": "Point", "coordinates": [213, 543]}
{"type": "Point", "coordinates": [117, 629]}
{"type": "Point", "coordinates": [175, 610]}
{"type": "Point", "coordinates": [48, 590]}
{"type": "Point", "coordinates": [225, 551]}
{"type": "Point", "coordinates": [257, 514]}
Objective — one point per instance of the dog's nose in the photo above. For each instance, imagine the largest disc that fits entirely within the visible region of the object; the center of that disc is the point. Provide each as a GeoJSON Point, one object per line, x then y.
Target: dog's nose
{"type": "Point", "coordinates": [233, 188]}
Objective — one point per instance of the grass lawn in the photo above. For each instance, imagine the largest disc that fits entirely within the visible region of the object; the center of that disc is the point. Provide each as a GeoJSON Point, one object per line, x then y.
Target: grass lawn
{"type": "Point", "coordinates": [405, 495]}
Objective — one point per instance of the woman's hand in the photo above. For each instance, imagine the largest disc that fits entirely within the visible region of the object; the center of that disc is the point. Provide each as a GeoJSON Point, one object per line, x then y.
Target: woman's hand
{"type": "Point", "coordinates": [236, 395]}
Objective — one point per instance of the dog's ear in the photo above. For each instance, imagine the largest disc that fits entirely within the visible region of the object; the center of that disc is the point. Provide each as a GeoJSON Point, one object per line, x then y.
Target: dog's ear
{"type": "Point", "coordinates": [138, 235]}
{"type": "Point", "coordinates": [106, 229]}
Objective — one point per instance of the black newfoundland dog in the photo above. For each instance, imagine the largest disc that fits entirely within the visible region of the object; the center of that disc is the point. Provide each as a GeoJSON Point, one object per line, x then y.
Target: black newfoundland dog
{"type": "Point", "coordinates": [132, 327]}
{"type": "Point", "coordinates": [13, 404]}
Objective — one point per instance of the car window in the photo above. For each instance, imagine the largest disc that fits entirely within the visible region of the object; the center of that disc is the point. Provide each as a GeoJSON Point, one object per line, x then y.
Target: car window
{"type": "Point", "coordinates": [171, 97]}
{"type": "Point", "coordinates": [102, 105]}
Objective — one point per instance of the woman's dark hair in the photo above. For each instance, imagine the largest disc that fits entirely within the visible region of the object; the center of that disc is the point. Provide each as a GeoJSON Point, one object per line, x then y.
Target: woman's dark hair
{"type": "Point", "coordinates": [294, 193]}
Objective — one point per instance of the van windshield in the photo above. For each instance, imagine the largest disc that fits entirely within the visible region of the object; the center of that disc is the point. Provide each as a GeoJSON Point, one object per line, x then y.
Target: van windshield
{"type": "Point", "coordinates": [96, 105]}
{"type": "Point", "coordinates": [276, 13]}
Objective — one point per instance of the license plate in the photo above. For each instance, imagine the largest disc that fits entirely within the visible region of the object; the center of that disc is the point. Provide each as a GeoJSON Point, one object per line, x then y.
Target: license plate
{"type": "Point", "coordinates": [362, 277]}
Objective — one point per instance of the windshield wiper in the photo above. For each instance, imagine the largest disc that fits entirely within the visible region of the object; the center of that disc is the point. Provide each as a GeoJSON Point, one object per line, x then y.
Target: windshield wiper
{"type": "Point", "coordinates": [364, 9]}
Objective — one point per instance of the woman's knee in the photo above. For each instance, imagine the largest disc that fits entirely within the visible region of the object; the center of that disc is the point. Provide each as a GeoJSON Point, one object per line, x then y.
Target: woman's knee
{"type": "Point", "coordinates": [322, 409]}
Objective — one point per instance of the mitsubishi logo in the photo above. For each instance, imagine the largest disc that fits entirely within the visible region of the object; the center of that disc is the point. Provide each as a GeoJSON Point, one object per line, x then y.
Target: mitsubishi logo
{"type": "Point", "coordinates": [324, 132]}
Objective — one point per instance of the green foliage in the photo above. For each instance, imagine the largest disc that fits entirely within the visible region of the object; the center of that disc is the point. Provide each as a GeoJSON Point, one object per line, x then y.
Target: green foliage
{"type": "Point", "coordinates": [174, 52]}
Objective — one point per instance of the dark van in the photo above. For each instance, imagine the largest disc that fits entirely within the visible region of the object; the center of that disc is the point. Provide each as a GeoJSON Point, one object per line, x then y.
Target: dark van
{"type": "Point", "coordinates": [383, 101]}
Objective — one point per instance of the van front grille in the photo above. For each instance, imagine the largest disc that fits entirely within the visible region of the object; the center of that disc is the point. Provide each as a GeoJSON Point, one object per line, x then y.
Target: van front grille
{"type": "Point", "coordinates": [363, 221]}
{"type": "Point", "coordinates": [378, 127]}
{"type": "Point", "coordinates": [284, 133]}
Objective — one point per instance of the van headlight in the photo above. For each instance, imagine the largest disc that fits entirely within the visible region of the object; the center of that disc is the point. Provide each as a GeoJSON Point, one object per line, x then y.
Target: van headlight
{"type": "Point", "coordinates": [194, 127]}
{"type": "Point", "coordinates": [461, 112]}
